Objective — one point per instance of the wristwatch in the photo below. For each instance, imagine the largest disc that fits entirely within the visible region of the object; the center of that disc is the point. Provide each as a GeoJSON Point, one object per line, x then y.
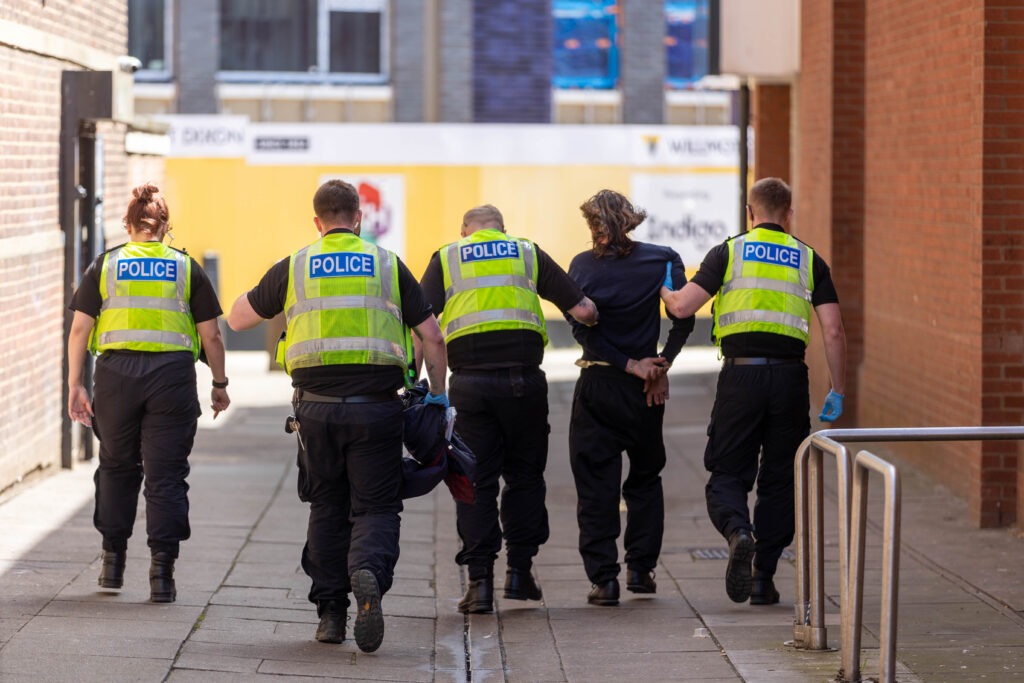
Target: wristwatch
{"type": "Point", "coordinates": [220, 385]}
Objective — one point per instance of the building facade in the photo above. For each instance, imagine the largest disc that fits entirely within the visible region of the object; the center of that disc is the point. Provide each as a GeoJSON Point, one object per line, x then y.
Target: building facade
{"type": "Point", "coordinates": [59, 59]}
{"type": "Point", "coordinates": [907, 158]}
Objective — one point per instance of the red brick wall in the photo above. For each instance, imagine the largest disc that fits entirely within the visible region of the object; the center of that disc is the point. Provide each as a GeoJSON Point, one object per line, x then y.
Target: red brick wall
{"type": "Point", "coordinates": [770, 105]}
{"type": "Point", "coordinates": [923, 208]}
{"type": "Point", "coordinates": [31, 258]}
{"type": "Point", "coordinates": [1002, 255]}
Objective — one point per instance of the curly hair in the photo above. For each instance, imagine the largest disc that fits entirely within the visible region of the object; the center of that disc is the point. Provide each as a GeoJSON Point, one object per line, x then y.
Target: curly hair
{"type": "Point", "coordinates": [611, 217]}
{"type": "Point", "coordinates": [147, 209]}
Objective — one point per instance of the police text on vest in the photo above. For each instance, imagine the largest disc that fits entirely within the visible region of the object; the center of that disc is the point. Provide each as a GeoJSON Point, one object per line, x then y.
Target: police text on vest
{"type": "Point", "coordinates": [775, 254]}
{"type": "Point", "coordinates": [147, 269]}
{"type": "Point", "coordinates": [342, 264]}
{"type": "Point", "coordinates": [487, 251]}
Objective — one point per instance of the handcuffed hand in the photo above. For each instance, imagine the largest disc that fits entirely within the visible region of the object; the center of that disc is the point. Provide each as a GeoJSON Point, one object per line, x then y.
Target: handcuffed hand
{"type": "Point", "coordinates": [436, 400]}
{"type": "Point", "coordinates": [833, 407]}
{"type": "Point", "coordinates": [647, 368]}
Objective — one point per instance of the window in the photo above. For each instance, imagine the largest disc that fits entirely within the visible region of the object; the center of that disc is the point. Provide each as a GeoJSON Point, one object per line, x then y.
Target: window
{"type": "Point", "coordinates": [686, 41]}
{"type": "Point", "coordinates": [586, 54]}
{"type": "Point", "coordinates": [302, 40]}
{"type": "Point", "coordinates": [149, 30]}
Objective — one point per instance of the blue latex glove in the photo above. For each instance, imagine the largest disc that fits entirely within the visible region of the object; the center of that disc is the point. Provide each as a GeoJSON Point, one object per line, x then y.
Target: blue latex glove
{"type": "Point", "coordinates": [436, 400]}
{"type": "Point", "coordinates": [668, 275]}
{"type": "Point", "coordinates": [833, 407]}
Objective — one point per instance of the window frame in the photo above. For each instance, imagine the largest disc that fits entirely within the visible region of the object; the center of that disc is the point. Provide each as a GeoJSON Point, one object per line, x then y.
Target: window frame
{"type": "Point", "coordinates": [322, 75]}
{"type": "Point", "coordinates": [166, 74]}
{"type": "Point", "coordinates": [608, 82]}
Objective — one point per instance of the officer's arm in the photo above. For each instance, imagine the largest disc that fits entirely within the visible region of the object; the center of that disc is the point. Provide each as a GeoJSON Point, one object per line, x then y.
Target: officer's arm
{"type": "Point", "coordinates": [435, 355]}
{"type": "Point", "coordinates": [834, 336]}
{"type": "Point", "coordinates": [585, 312]}
{"type": "Point", "coordinates": [213, 344]}
{"type": "Point", "coordinates": [684, 302]}
{"type": "Point", "coordinates": [79, 407]}
{"type": "Point", "coordinates": [243, 316]}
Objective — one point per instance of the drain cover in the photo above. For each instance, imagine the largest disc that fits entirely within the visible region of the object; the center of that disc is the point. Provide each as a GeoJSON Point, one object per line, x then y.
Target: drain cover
{"type": "Point", "coordinates": [723, 554]}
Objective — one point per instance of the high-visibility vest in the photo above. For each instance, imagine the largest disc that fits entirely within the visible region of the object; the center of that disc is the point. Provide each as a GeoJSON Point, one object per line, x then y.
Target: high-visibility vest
{"type": "Point", "coordinates": [145, 288]}
{"type": "Point", "coordinates": [767, 287]}
{"type": "Point", "coordinates": [343, 306]}
{"type": "Point", "coordinates": [490, 282]}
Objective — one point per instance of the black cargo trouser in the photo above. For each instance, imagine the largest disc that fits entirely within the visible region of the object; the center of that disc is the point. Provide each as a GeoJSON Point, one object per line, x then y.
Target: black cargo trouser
{"type": "Point", "coordinates": [610, 415]}
{"type": "Point", "coordinates": [503, 418]}
{"type": "Point", "coordinates": [145, 407]}
{"type": "Point", "coordinates": [350, 473]}
{"type": "Point", "coordinates": [759, 419]}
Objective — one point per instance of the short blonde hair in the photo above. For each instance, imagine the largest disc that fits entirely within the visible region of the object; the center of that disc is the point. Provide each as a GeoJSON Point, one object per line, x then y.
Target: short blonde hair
{"type": "Point", "coordinates": [484, 214]}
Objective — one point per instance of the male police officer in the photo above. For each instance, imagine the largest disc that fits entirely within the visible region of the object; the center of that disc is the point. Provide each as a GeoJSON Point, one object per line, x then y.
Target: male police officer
{"type": "Point", "coordinates": [766, 282]}
{"type": "Point", "coordinates": [485, 287]}
{"type": "Point", "coordinates": [348, 304]}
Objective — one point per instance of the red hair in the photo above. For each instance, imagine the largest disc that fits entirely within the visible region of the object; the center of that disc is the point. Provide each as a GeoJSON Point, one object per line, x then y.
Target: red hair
{"type": "Point", "coordinates": [147, 209]}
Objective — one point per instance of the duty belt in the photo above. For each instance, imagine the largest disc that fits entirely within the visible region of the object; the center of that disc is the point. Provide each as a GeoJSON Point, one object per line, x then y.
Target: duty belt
{"type": "Point", "coordinates": [729, 362]}
{"type": "Point", "coordinates": [302, 396]}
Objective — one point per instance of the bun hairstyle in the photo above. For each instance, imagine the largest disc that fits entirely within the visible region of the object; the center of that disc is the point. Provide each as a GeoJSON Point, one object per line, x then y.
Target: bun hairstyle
{"type": "Point", "coordinates": [147, 210]}
{"type": "Point", "coordinates": [611, 217]}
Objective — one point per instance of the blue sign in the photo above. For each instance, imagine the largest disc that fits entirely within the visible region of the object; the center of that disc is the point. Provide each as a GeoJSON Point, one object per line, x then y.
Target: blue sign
{"type": "Point", "coordinates": [342, 264]}
{"type": "Point", "coordinates": [150, 269]}
{"type": "Point", "coordinates": [488, 251]}
{"type": "Point", "coordinates": [775, 254]}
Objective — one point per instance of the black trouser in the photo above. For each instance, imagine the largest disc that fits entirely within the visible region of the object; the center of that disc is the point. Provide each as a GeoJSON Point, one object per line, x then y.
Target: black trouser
{"type": "Point", "coordinates": [610, 415]}
{"type": "Point", "coordinates": [503, 418]}
{"type": "Point", "coordinates": [145, 407]}
{"type": "Point", "coordinates": [350, 473]}
{"type": "Point", "coordinates": [762, 409]}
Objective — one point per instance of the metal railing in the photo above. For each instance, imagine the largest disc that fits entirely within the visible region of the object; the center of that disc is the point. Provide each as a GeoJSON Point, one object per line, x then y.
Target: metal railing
{"type": "Point", "coordinates": [809, 630]}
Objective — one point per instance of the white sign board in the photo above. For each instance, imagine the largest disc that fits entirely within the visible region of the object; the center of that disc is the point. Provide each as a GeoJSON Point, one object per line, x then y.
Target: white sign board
{"type": "Point", "coordinates": [690, 212]}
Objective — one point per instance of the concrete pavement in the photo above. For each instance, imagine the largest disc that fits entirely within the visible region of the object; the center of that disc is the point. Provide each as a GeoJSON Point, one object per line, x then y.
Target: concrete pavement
{"type": "Point", "coordinates": [242, 613]}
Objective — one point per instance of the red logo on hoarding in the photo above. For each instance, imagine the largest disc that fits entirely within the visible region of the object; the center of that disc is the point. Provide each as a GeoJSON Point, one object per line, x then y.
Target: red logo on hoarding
{"type": "Point", "coordinates": [376, 212]}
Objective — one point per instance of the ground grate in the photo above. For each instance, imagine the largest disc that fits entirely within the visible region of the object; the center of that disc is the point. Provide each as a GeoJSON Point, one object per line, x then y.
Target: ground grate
{"type": "Point", "coordinates": [723, 554]}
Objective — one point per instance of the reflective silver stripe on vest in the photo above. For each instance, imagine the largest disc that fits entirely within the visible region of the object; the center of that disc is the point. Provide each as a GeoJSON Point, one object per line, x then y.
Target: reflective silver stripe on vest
{"type": "Point", "coordinates": [179, 282]}
{"type": "Point", "coordinates": [490, 281]}
{"type": "Point", "coordinates": [778, 317]}
{"type": "Point", "coordinates": [494, 315]}
{"type": "Point", "coordinates": [337, 302]}
{"type": "Point", "coordinates": [158, 303]}
{"type": "Point", "coordinates": [318, 346]}
{"type": "Point", "coordinates": [460, 283]}
{"type": "Point", "coordinates": [155, 336]}
{"type": "Point", "coordinates": [767, 283]}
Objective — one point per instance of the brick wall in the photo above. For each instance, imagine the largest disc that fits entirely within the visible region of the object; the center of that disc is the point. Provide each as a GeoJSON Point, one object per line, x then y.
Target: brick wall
{"type": "Point", "coordinates": [512, 61]}
{"type": "Point", "coordinates": [456, 59]}
{"type": "Point", "coordinates": [31, 255]}
{"type": "Point", "coordinates": [408, 22]}
{"type": "Point", "coordinates": [769, 114]}
{"type": "Point", "coordinates": [197, 55]}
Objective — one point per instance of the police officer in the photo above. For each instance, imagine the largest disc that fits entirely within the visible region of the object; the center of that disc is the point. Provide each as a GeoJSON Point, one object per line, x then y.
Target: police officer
{"type": "Point", "coordinates": [619, 401]}
{"type": "Point", "coordinates": [486, 288]}
{"type": "Point", "coordinates": [766, 284]}
{"type": "Point", "coordinates": [348, 304]}
{"type": "Point", "coordinates": [146, 309]}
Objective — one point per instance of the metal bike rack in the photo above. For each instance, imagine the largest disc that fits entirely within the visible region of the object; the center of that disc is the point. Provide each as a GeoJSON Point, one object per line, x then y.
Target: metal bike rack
{"type": "Point", "coordinates": [853, 617]}
{"type": "Point", "coordinates": [809, 630]}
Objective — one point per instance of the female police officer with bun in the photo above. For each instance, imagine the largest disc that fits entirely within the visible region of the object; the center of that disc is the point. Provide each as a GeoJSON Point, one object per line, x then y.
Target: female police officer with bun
{"type": "Point", "coordinates": [147, 310]}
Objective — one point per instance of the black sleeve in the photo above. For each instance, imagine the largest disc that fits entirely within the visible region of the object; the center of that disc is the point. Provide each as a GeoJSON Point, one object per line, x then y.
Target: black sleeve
{"type": "Point", "coordinates": [87, 298]}
{"type": "Point", "coordinates": [203, 301]}
{"type": "Point", "coordinates": [681, 327]}
{"type": "Point", "coordinates": [711, 274]}
{"type": "Point", "coordinates": [268, 297]}
{"type": "Point", "coordinates": [824, 288]}
{"type": "Point", "coordinates": [432, 283]}
{"type": "Point", "coordinates": [415, 308]}
{"type": "Point", "coordinates": [554, 284]}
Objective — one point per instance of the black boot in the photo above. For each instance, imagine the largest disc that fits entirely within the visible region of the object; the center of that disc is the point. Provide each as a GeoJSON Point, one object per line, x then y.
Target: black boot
{"type": "Point", "coordinates": [161, 578]}
{"type": "Point", "coordinates": [332, 621]}
{"type": "Point", "coordinates": [520, 585]}
{"type": "Point", "coordinates": [112, 571]}
{"type": "Point", "coordinates": [479, 597]}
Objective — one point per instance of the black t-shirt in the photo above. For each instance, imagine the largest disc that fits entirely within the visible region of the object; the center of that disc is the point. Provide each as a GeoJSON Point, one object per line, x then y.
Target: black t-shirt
{"type": "Point", "coordinates": [267, 299]}
{"type": "Point", "coordinates": [202, 298]}
{"type": "Point", "coordinates": [502, 348]}
{"type": "Point", "coordinates": [763, 344]}
{"type": "Point", "coordinates": [627, 292]}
